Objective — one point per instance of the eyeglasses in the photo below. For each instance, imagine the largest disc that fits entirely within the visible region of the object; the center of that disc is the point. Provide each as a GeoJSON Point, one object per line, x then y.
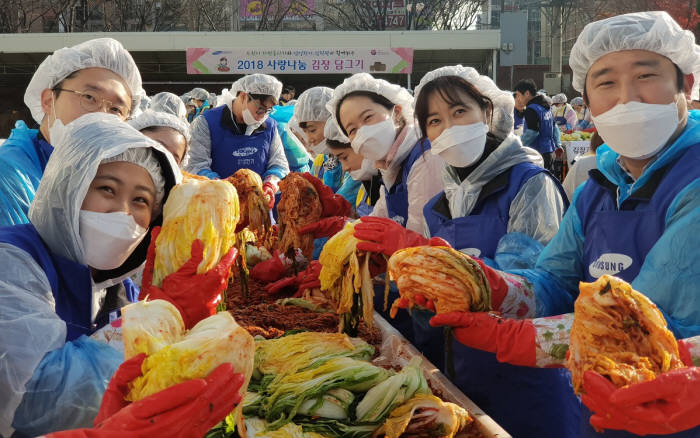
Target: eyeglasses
{"type": "Point", "coordinates": [91, 103]}
{"type": "Point", "coordinates": [261, 110]}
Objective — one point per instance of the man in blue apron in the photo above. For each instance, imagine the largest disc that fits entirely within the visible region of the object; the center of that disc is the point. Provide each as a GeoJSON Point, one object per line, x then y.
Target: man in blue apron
{"type": "Point", "coordinates": [637, 216]}
{"type": "Point", "coordinates": [539, 134]}
{"type": "Point", "coordinates": [199, 100]}
{"type": "Point", "coordinates": [240, 135]}
{"type": "Point", "coordinates": [97, 75]}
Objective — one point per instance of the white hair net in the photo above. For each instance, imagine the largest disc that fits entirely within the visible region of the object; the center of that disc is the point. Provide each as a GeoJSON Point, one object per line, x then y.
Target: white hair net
{"type": "Point", "coordinates": [150, 118]}
{"type": "Point", "coordinates": [169, 103]}
{"type": "Point", "coordinates": [333, 132]}
{"type": "Point", "coordinates": [311, 105]}
{"type": "Point", "coordinates": [257, 84]}
{"type": "Point", "coordinates": [578, 100]}
{"type": "Point", "coordinates": [199, 94]}
{"type": "Point", "coordinates": [145, 158]}
{"type": "Point", "coordinates": [695, 92]}
{"type": "Point", "coordinates": [559, 98]}
{"type": "Point", "coordinates": [89, 140]}
{"type": "Point", "coordinates": [105, 53]}
{"type": "Point", "coordinates": [503, 102]}
{"type": "Point", "coordinates": [651, 31]}
{"type": "Point", "coordinates": [366, 82]}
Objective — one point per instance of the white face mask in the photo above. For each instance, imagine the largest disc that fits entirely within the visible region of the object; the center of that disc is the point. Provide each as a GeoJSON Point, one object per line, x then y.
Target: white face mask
{"type": "Point", "coordinates": [108, 238]}
{"type": "Point", "coordinates": [374, 141]}
{"type": "Point", "coordinates": [320, 148]}
{"type": "Point", "coordinates": [365, 172]}
{"type": "Point", "coordinates": [57, 130]}
{"type": "Point", "coordinates": [461, 145]}
{"type": "Point", "coordinates": [637, 130]}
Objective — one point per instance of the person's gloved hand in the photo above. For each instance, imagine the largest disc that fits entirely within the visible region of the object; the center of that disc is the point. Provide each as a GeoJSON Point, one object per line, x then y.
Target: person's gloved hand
{"type": "Point", "coordinates": [326, 227]}
{"type": "Point", "coordinates": [113, 399]}
{"type": "Point", "coordinates": [195, 295]}
{"type": "Point", "coordinates": [306, 279]}
{"type": "Point", "coordinates": [668, 404]}
{"type": "Point", "coordinates": [385, 236]}
{"type": "Point", "coordinates": [333, 205]}
{"type": "Point", "coordinates": [188, 409]}
{"type": "Point", "coordinates": [269, 190]}
{"type": "Point", "coordinates": [513, 341]}
{"type": "Point", "coordinates": [269, 270]}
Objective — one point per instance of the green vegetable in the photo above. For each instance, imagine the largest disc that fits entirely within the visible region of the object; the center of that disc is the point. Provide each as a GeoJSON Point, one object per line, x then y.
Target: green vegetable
{"type": "Point", "coordinates": [394, 391]}
{"type": "Point", "coordinates": [288, 394]}
{"type": "Point", "coordinates": [334, 404]}
{"type": "Point", "coordinates": [338, 429]}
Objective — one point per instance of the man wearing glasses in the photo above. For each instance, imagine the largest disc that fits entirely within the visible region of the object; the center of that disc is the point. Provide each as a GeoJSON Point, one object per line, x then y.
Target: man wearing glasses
{"type": "Point", "coordinates": [97, 75]}
{"type": "Point", "coordinates": [239, 135]}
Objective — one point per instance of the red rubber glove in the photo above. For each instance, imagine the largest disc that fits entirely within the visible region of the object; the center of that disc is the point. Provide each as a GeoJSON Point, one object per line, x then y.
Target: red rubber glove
{"type": "Point", "coordinates": [326, 227]}
{"type": "Point", "coordinates": [269, 270]}
{"type": "Point", "coordinates": [118, 387]}
{"type": "Point", "coordinates": [195, 295]}
{"type": "Point", "coordinates": [668, 404]}
{"type": "Point", "coordinates": [269, 190]}
{"type": "Point", "coordinates": [188, 409]}
{"type": "Point", "coordinates": [513, 341]}
{"type": "Point", "coordinates": [307, 279]}
{"type": "Point", "coordinates": [333, 205]}
{"type": "Point", "coordinates": [386, 236]}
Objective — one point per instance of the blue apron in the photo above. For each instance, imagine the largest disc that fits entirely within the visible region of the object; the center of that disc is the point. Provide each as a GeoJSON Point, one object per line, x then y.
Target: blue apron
{"type": "Point", "coordinates": [397, 195]}
{"type": "Point", "coordinates": [561, 123]}
{"type": "Point", "coordinates": [231, 152]}
{"type": "Point", "coordinates": [544, 143]}
{"type": "Point", "coordinates": [397, 208]}
{"type": "Point", "coordinates": [362, 204]}
{"type": "Point", "coordinates": [500, 389]}
{"type": "Point", "coordinates": [518, 120]}
{"type": "Point", "coordinates": [71, 284]}
{"type": "Point", "coordinates": [478, 234]}
{"type": "Point", "coordinates": [618, 240]}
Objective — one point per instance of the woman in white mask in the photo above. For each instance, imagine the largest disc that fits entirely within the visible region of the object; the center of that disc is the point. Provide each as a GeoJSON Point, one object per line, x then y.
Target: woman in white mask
{"type": "Point", "coordinates": [89, 228]}
{"type": "Point", "coordinates": [360, 169]}
{"type": "Point", "coordinates": [311, 114]}
{"type": "Point", "coordinates": [168, 130]}
{"type": "Point", "coordinates": [377, 117]}
{"type": "Point", "coordinates": [498, 204]}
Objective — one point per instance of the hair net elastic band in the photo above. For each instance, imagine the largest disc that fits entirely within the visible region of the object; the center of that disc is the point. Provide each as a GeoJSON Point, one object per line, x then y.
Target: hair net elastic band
{"type": "Point", "coordinates": [145, 158]}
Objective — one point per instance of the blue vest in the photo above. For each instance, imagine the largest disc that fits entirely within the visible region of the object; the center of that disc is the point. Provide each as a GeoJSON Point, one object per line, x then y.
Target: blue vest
{"type": "Point", "coordinates": [544, 143]}
{"type": "Point", "coordinates": [397, 195]}
{"type": "Point", "coordinates": [552, 408]}
{"type": "Point", "coordinates": [71, 284]}
{"type": "Point", "coordinates": [488, 220]}
{"type": "Point", "coordinates": [561, 121]}
{"type": "Point", "coordinates": [231, 152]}
{"type": "Point", "coordinates": [518, 120]}
{"type": "Point", "coordinates": [616, 241]}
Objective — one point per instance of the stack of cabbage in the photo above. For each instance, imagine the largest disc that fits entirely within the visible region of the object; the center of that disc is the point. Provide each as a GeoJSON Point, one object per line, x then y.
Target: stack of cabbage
{"type": "Point", "coordinates": [311, 385]}
{"type": "Point", "coordinates": [174, 355]}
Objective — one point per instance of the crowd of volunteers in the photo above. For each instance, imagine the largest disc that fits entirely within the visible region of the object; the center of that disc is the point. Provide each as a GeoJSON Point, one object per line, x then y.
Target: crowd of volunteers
{"type": "Point", "coordinates": [456, 162]}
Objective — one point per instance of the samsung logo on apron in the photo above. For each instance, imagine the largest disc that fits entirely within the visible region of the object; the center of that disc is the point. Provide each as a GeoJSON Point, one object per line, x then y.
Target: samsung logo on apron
{"type": "Point", "coordinates": [609, 263]}
{"type": "Point", "coordinates": [244, 152]}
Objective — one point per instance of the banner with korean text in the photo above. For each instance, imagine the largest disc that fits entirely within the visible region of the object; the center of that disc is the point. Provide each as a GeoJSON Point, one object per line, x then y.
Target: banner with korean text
{"type": "Point", "coordinates": [298, 61]}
